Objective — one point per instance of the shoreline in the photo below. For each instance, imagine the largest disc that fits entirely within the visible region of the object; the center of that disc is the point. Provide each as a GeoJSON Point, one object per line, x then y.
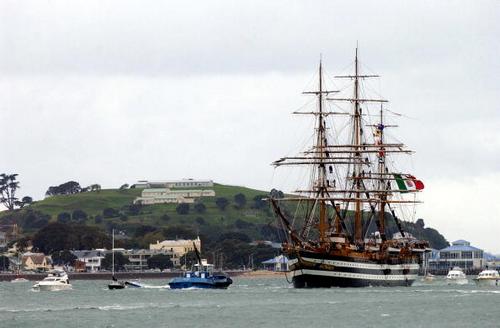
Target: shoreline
{"type": "Point", "coordinates": [133, 275]}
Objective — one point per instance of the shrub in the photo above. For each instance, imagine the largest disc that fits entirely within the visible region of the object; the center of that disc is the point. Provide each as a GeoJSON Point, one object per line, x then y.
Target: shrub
{"type": "Point", "coordinates": [182, 209]}
{"type": "Point", "coordinates": [110, 212]}
{"type": "Point", "coordinates": [200, 208]}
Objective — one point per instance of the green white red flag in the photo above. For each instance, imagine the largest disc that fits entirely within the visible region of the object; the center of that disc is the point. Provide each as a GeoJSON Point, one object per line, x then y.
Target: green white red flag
{"type": "Point", "coordinates": [408, 182]}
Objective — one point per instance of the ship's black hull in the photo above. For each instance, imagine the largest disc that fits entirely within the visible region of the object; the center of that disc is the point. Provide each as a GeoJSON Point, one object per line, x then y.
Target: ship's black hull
{"type": "Point", "coordinates": [314, 281]}
{"type": "Point", "coordinates": [317, 271]}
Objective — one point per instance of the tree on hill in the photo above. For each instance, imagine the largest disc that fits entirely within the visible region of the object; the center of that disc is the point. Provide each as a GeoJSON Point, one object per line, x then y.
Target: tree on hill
{"type": "Point", "coordinates": [242, 224]}
{"type": "Point", "coordinates": [221, 203]}
{"type": "Point", "coordinates": [144, 229]}
{"type": "Point", "coordinates": [160, 261]}
{"type": "Point", "coordinates": [277, 194]}
{"type": "Point", "coordinates": [270, 232]}
{"type": "Point", "coordinates": [95, 187]}
{"type": "Point", "coordinates": [234, 235]}
{"type": "Point", "coordinates": [8, 188]}
{"type": "Point", "coordinates": [124, 186]}
{"type": "Point", "coordinates": [67, 188]}
{"type": "Point", "coordinates": [34, 220]}
{"type": "Point", "coordinates": [120, 261]}
{"type": "Point", "coordinates": [110, 212]}
{"type": "Point", "coordinates": [200, 221]}
{"type": "Point", "coordinates": [26, 200]}
{"type": "Point", "coordinates": [259, 202]}
{"type": "Point", "coordinates": [165, 217]}
{"type": "Point", "coordinates": [179, 232]}
{"type": "Point", "coordinates": [240, 200]}
{"type": "Point", "coordinates": [63, 217]}
{"type": "Point", "coordinates": [64, 257]}
{"type": "Point", "coordinates": [182, 209]}
{"type": "Point", "coordinates": [435, 239]}
{"type": "Point", "coordinates": [134, 209]}
{"type": "Point", "coordinates": [79, 215]}
{"type": "Point", "coordinates": [57, 236]}
{"type": "Point", "coordinates": [23, 244]}
{"type": "Point", "coordinates": [200, 208]}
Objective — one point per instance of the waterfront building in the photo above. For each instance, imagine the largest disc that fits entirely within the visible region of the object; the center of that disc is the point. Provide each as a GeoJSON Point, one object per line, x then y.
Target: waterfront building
{"type": "Point", "coordinates": [459, 254]}
{"type": "Point", "coordinates": [177, 247]}
{"type": "Point", "coordinates": [35, 262]}
{"type": "Point", "coordinates": [89, 261]}
{"type": "Point", "coordinates": [138, 258]}
{"type": "Point", "coordinates": [278, 264]}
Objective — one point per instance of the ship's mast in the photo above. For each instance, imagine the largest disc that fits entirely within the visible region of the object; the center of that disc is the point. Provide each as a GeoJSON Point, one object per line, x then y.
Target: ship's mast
{"type": "Point", "coordinates": [321, 146]}
{"type": "Point", "coordinates": [381, 171]}
{"type": "Point", "coordinates": [367, 187]}
{"type": "Point", "coordinates": [358, 225]}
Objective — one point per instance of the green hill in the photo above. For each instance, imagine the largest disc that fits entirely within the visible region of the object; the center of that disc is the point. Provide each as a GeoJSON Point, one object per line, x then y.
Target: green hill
{"type": "Point", "coordinates": [114, 209]}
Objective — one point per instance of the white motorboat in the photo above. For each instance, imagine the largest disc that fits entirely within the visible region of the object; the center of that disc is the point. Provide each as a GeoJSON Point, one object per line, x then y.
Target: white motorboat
{"type": "Point", "coordinates": [55, 281]}
{"type": "Point", "coordinates": [456, 277]}
{"type": "Point", "coordinates": [488, 278]}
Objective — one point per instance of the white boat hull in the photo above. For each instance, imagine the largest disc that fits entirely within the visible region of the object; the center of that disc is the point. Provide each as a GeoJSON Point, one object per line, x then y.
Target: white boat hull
{"type": "Point", "coordinates": [52, 288]}
{"type": "Point", "coordinates": [458, 281]}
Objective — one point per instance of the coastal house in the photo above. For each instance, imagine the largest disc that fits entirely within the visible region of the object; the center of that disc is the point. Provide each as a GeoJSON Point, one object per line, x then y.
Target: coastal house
{"type": "Point", "coordinates": [35, 262]}
{"type": "Point", "coordinates": [177, 247]}
{"type": "Point", "coordinates": [459, 254]}
{"type": "Point", "coordinates": [138, 258]}
{"type": "Point", "coordinates": [89, 261]}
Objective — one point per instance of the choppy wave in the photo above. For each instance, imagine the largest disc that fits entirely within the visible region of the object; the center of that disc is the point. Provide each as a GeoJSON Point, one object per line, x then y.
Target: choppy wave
{"type": "Point", "coordinates": [112, 307]}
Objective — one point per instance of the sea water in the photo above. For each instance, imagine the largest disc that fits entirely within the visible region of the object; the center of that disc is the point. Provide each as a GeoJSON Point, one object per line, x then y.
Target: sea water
{"type": "Point", "coordinates": [250, 302]}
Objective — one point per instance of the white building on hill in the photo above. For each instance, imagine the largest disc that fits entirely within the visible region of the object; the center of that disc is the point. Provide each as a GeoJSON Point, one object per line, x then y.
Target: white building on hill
{"type": "Point", "coordinates": [184, 183]}
{"type": "Point", "coordinates": [165, 195]}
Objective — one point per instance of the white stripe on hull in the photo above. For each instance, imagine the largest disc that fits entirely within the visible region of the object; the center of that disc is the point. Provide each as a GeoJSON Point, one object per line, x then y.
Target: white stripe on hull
{"type": "Point", "coordinates": [358, 265]}
{"type": "Point", "coordinates": [351, 275]}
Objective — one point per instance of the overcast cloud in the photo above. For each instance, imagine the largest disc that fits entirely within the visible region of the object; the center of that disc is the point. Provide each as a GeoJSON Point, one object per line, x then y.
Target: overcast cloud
{"type": "Point", "coordinates": [114, 91]}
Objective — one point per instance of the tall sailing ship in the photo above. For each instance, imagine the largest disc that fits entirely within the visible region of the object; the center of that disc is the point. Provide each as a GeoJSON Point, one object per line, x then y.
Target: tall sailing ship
{"type": "Point", "coordinates": [343, 228]}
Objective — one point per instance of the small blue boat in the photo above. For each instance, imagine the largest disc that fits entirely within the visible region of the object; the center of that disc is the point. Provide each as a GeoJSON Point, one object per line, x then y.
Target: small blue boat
{"type": "Point", "coordinates": [202, 276]}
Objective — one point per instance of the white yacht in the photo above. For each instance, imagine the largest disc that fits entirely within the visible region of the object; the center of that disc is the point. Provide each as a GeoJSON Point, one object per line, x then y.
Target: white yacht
{"type": "Point", "coordinates": [456, 277]}
{"type": "Point", "coordinates": [56, 280]}
{"type": "Point", "coordinates": [488, 278]}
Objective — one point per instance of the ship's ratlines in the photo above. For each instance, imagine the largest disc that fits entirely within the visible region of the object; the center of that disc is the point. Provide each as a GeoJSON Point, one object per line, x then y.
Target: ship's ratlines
{"type": "Point", "coordinates": [343, 227]}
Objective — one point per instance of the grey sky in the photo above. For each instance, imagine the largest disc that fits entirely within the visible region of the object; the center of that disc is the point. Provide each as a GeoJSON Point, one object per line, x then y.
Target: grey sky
{"type": "Point", "coordinates": [115, 91]}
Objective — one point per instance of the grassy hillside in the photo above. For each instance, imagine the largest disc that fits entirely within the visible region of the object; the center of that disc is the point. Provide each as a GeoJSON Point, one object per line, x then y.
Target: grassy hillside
{"type": "Point", "coordinates": [112, 208]}
{"type": "Point", "coordinates": [91, 202]}
{"type": "Point", "coordinates": [96, 205]}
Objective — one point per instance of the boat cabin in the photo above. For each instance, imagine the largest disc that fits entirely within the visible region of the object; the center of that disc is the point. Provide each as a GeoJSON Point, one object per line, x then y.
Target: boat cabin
{"type": "Point", "coordinates": [489, 274]}
{"type": "Point", "coordinates": [202, 270]}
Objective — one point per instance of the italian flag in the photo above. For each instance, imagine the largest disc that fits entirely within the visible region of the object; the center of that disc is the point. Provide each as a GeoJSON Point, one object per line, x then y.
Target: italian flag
{"type": "Point", "coordinates": [408, 182]}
